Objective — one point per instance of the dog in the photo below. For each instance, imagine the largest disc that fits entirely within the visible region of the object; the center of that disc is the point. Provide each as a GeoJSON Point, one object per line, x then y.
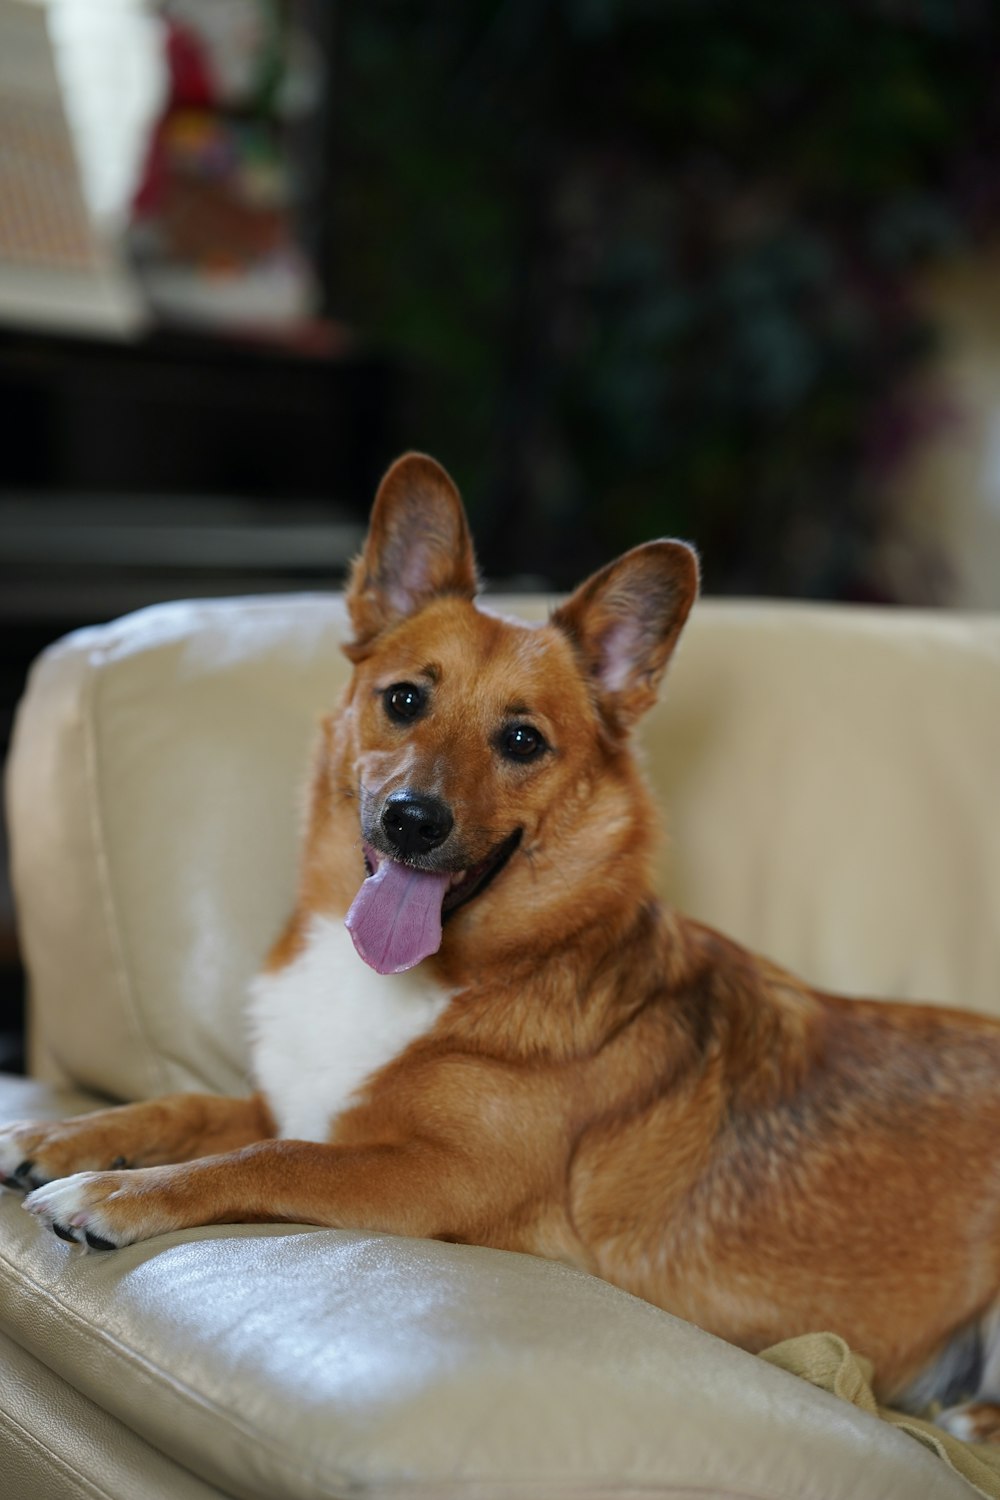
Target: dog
{"type": "Point", "coordinates": [480, 1024]}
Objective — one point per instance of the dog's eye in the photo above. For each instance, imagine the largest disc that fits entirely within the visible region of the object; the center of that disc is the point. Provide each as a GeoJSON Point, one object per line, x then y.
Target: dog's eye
{"type": "Point", "coordinates": [522, 742]}
{"type": "Point", "coordinates": [403, 700]}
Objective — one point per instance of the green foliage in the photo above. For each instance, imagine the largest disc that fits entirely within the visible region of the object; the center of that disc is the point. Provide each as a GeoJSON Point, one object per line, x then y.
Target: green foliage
{"type": "Point", "coordinates": [646, 261]}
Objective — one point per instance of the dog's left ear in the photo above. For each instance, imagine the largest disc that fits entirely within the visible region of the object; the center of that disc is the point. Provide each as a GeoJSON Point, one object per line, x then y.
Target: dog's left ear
{"type": "Point", "coordinates": [624, 623]}
{"type": "Point", "coordinates": [418, 547]}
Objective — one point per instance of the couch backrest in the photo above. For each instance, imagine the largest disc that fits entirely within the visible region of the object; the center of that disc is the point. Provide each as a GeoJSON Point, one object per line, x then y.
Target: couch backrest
{"type": "Point", "coordinates": [832, 781]}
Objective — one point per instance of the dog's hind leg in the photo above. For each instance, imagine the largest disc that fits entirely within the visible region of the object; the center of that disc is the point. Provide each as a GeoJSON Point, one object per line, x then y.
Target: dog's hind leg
{"type": "Point", "coordinates": [977, 1420]}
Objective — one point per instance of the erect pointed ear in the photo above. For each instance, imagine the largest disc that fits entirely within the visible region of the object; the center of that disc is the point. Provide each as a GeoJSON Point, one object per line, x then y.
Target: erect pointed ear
{"type": "Point", "coordinates": [624, 623]}
{"type": "Point", "coordinates": [418, 547]}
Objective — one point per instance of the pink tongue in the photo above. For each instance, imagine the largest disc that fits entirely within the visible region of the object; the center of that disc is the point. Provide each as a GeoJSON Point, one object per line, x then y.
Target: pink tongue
{"type": "Point", "coordinates": [395, 919]}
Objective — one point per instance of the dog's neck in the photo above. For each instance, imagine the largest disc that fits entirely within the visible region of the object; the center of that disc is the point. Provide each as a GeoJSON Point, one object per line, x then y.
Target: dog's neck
{"type": "Point", "coordinates": [567, 1001]}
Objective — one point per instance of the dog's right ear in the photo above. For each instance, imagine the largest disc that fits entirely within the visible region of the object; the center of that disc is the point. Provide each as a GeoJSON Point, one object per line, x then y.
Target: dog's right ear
{"type": "Point", "coordinates": [418, 547]}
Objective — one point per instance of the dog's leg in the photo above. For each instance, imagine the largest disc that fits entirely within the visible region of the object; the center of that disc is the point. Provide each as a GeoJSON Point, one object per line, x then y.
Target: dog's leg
{"type": "Point", "coordinates": [416, 1189]}
{"type": "Point", "coordinates": [173, 1129]}
{"type": "Point", "coordinates": [978, 1420]}
{"type": "Point", "coordinates": [973, 1421]}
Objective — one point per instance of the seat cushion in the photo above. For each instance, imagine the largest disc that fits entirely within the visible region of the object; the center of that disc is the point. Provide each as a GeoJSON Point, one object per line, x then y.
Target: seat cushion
{"type": "Point", "coordinates": [287, 1361]}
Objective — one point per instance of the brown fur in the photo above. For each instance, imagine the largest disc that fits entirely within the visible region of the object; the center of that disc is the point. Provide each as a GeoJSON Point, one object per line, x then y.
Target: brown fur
{"type": "Point", "coordinates": [612, 1084]}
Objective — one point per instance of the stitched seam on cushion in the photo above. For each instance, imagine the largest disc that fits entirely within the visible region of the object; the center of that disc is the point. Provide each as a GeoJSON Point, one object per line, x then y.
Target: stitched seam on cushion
{"type": "Point", "coordinates": [28, 1438]}
{"type": "Point", "coordinates": [157, 1375]}
{"type": "Point", "coordinates": [155, 1072]}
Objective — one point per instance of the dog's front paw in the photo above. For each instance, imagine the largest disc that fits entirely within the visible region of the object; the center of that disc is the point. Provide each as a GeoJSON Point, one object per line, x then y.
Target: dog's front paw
{"type": "Point", "coordinates": [102, 1210]}
{"type": "Point", "coordinates": [21, 1146]}
{"type": "Point", "coordinates": [33, 1154]}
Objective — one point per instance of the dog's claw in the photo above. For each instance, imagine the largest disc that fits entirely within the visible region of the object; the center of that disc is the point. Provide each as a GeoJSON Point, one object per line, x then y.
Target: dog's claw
{"type": "Point", "coordinates": [25, 1178]}
{"type": "Point", "coordinates": [97, 1242]}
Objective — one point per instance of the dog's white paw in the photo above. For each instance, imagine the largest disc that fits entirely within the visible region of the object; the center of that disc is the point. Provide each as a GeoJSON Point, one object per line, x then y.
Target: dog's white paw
{"type": "Point", "coordinates": [973, 1421]}
{"type": "Point", "coordinates": [17, 1158]}
{"type": "Point", "coordinates": [34, 1153]}
{"type": "Point", "coordinates": [73, 1208]}
{"type": "Point", "coordinates": [106, 1210]}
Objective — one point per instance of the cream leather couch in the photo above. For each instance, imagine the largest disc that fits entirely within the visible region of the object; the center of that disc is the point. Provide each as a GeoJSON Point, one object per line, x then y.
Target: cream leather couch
{"type": "Point", "coordinates": [833, 781]}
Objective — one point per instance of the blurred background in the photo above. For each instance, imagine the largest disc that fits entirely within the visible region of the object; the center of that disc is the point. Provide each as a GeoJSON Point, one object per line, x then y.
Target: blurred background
{"type": "Point", "coordinates": [727, 269]}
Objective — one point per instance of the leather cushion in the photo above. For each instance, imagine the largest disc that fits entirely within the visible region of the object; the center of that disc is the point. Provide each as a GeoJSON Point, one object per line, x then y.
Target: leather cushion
{"type": "Point", "coordinates": [280, 1361]}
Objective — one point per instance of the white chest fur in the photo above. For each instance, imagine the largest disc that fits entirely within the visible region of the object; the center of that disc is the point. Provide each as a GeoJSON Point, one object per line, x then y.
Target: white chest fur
{"type": "Point", "coordinates": [323, 1024]}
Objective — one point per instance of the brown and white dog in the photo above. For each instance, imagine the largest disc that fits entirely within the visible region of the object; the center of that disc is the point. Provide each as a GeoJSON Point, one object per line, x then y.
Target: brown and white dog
{"type": "Point", "coordinates": [480, 1024]}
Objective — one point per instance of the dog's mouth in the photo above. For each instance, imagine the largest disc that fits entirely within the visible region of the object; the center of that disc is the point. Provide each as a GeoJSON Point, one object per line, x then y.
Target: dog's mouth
{"type": "Point", "coordinates": [468, 884]}
{"type": "Point", "coordinates": [396, 918]}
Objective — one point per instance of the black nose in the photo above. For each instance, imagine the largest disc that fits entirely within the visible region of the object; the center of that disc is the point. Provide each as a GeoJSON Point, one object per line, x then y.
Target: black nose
{"type": "Point", "coordinates": [415, 825]}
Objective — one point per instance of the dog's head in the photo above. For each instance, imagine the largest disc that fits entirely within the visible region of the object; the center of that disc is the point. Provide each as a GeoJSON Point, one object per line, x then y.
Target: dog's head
{"type": "Point", "coordinates": [488, 757]}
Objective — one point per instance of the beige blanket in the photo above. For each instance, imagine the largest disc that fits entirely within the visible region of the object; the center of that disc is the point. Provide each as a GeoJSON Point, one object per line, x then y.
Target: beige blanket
{"type": "Point", "coordinates": [825, 1360]}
